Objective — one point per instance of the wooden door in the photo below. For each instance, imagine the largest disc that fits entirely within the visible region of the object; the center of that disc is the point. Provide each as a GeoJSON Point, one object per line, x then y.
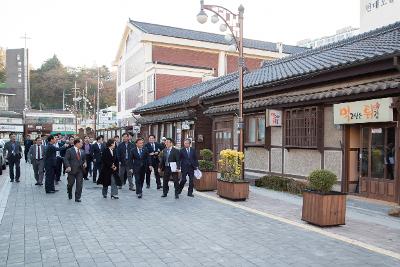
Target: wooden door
{"type": "Point", "coordinates": [377, 162]}
{"type": "Point", "coordinates": [223, 136]}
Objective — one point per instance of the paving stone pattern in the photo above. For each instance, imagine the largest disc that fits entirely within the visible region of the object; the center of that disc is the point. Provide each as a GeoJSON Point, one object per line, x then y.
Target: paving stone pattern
{"type": "Point", "coordinates": [38, 229]}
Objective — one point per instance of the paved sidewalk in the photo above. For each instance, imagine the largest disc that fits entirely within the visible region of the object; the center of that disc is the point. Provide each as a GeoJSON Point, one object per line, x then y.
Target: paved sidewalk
{"type": "Point", "coordinates": [49, 230]}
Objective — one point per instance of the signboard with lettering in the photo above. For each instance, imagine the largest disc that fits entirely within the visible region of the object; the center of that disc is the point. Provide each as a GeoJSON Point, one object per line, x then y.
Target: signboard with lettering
{"type": "Point", "coordinates": [274, 118]}
{"type": "Point", "coordinates": [376, 110]}
{"type": "Point", "coordinates": [11, 128]}
{"type": "Point", "coordinates": [63, 128]}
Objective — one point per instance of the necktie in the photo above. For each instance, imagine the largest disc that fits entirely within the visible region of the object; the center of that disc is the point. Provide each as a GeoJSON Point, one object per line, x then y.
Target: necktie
{"type": "Point", "coordinates": [188, 151]}
{"type": "Point", "coordinates": [154, 147]}
{"type": "Point", "coordinates": [78, 155]}
{"type": "Point", "coordinates": [38, 152]}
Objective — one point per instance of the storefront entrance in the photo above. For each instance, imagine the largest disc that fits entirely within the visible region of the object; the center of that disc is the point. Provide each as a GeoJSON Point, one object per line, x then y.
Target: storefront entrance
{"type": "Point", "coordinates": [377, 162]}
{"type": "Point", "coordinates": [223, 136]}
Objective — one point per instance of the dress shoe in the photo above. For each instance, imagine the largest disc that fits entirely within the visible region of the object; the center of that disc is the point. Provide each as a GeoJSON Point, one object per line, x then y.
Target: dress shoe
{"type": "Point", "coordinates": [70, 195]}
{"type": "Point", "coordinates": [40, 184]}
{"type": "Point", "coordinates": [11, 181]}
{"type": "Point", "coordinates": [17, 180]}
{"type": "Point", "coordinates": [148, 186]}
{"type": "Point", "coordinates": [104, 196]}
{"type": "Point", "coordinates": [37, 184]}
{"type": "Point", "coordinates": [190, 195]}
{"type": "Point", "coordinates": [56, 182]}
{"type": "Point", "coordinates": [114, 197]}
{"type": "Point", "coordinates": [164, 195]}
{"type": "Point", "coordinates": [86, 179]}
{"type": "Point", "coordinates": [139, 195]}
{"type": "Point", "coordinates": [56, 190]}
{"type": "Point", "coordinates": [176, 196]}
{"type": "Point", "coordinates": [132, 189]}
{"type": "Point", "coordinates": [78, 200]}
{"type": "Point", "coordinates": [50, 192]}
{"type": "Point", "coordinates": [159, 187]}
{"type": "Point", "coordinates": [94, 181]}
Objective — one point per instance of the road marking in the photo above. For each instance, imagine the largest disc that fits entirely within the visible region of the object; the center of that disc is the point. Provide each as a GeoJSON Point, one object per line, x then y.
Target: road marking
{"type": "Point", "coordinates": [307, 227]}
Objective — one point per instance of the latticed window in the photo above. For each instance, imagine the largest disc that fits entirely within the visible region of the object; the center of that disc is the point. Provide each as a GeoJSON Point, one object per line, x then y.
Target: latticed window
{"type": "Point", "coordinates": [301, 127]}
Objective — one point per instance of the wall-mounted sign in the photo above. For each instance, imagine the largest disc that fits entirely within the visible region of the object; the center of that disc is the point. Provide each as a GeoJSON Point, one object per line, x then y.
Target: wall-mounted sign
{"type": "Point", "coordinates": [274, 118]}
{"type": "Point", "coordinates": [185, 125]}
{"type": "Point", "coordinates": [376, 110]}
{"type": "Point", "coordinates": [11, 128]}
{"type": "Point", "coordinates": [373, 5]}
{"type": "Point", "coordinates": [63, 128]}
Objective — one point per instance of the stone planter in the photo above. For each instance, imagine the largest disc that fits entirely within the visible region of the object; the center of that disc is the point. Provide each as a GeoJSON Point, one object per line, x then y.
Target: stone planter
{"type": "Point", "coordinates": [324, 209]}
{"type": "Point", "coordinates": [208, 181]}
{"type": "Point", "coordinates": [233, 190]}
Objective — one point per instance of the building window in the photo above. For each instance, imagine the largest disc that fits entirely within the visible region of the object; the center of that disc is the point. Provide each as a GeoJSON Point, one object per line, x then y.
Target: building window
{"type": "Point", "coordinates": [18, 57]}
{"type": "Point", "coordinates": [302, 127]}
{"type": "Point", "coordinates": [255, 125]}
{"type": "Point", "coordinates": [20, 80]}
{"type": "Point", "coordinates": [19, 75]}
{"type": "Point", "coordinates": [169, 131]}
{"type": "Point", "coordinates": [19, 69]}
{"type": "Point", "coordinates": [19, 63]}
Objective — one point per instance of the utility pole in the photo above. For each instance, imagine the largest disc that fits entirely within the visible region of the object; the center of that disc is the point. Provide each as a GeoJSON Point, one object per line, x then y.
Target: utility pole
{"type": "Point", "coordinates": [76, 108]}
{"type": "Point", "coordinates": [85, 102]}
{"type": "Point", "coordinates": [97, 101]}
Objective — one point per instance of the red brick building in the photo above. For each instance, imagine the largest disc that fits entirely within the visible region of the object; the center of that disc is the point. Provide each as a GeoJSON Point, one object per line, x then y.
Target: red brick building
{"type": "Point", "coordinates": [154, 60]}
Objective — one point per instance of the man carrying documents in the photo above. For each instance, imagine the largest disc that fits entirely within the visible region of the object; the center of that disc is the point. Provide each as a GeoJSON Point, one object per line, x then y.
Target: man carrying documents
{"type": "Point", "coordinates": [170, 164]}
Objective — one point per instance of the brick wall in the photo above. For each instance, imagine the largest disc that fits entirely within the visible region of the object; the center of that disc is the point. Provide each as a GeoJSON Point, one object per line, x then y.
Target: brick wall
{"type": "Point", "coordinates": [165, 83]}
{"type": "Point", "coordinates": [251, 63]}
{"type": "Point", "coordinates": [186, 57]}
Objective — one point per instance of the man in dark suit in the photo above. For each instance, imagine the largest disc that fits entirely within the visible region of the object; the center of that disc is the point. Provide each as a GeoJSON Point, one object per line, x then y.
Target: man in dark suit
{"type": "Point", "coordinates": [59, 156]}
{"type": "Point", "coordinates": [36, 157]}
{"type": "Point", "coordinates": [154, 150]}
{"type": "Point", "coordinates": [13, 153]}
{"type": "Point", "coordinates": [189, 163]}
{"type": "Point", "coordinates": [140, 162]}
{"type": "Point", "coordinates": [50, 163]}
{"type": "Point", "coordinates": [170, 157]}
{"type": "Point", "coordinates": [27, 145]}
{"type": "Point", "coordinates": [87, 148]}
{"type": "Point", "coordinates": [75, 165]}
{"type": "Point", "coordinates": [124, 157]}
{"type": "Point", "coordinates": [97, 151]}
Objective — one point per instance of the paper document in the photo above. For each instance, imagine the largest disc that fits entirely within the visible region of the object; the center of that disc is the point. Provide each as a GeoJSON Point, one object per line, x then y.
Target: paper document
{"type": "Point", "coordinates": [173, 166]}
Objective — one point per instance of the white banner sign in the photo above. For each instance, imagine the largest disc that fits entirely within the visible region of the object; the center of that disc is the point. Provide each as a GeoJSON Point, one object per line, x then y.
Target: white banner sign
{"type": "Point", "coordinates": [376, 110]}
{"type": "Point", "coordinates": [274, 118]}
{"type": "Point", "coordinates": [63, 128]}
{"type": "Point", "coordinates": [12, 128]}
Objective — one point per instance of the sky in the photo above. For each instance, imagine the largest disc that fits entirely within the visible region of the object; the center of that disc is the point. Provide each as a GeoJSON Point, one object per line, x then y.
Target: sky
{"type": "Point", "coordinates": [88, 32]}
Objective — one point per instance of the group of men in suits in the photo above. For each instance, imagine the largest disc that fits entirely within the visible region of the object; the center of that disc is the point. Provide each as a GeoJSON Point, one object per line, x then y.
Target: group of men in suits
{"type": "Point", "coordinates": [140, 160]}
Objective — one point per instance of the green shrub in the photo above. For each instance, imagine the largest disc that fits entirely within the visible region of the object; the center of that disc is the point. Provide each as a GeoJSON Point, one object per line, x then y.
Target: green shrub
{"type": "Point", "coordinates": [322, 180]}
{"type": "Point", "coordinates": [284, 184]}
{"type": "Point", "coordinates": [297, 187]}
{"type": "Point", "coordinates": [206, 163]}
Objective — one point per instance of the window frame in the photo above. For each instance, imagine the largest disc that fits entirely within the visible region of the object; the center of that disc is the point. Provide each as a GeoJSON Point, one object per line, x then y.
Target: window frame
{"type": "Point", "coordinates": [257, 142]}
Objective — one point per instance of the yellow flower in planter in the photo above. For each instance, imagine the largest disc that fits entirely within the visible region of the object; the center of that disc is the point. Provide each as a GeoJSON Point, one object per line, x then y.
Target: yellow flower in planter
{"type": "Point", "coordinates": [230, 164]}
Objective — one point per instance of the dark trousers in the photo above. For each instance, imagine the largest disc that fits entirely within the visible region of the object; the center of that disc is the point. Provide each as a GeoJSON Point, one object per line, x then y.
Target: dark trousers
{"type": "Point", "coordinates": [139, 180]}
{"type": "Point", "coordinates": [49, 178]}
{"type": "Point", "coordinates": [78, 177]}
{"type": "Point", "coordinates": [168, 175]}
{"type": "Point", "coordinates": [187, 172]}
{"type": "Point", "coordinates": [96, 170]}
{"type": "Point", "coordinates": [58, 168]}
{"type": "Point", "coordinates": [13, 161]}
{"type": "Point", "coordinates": [26, 155]}
{"type": "Point", "coordinates": [156, 174]}
{"type": "Point", "coordinates": [88, 166]}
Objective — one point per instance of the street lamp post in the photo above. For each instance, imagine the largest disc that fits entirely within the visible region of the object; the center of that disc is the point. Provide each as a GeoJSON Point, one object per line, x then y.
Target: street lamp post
{"type": "Point", "coordinates": [233, 22]}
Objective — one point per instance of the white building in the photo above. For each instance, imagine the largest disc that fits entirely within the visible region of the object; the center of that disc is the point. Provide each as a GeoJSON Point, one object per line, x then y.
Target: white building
{"type": "Point", "coordinates": [107, 118]}
{"type": "Point", "coordinates": [340, 34]}
{"type": "Point", "coordinates": [378, 13]}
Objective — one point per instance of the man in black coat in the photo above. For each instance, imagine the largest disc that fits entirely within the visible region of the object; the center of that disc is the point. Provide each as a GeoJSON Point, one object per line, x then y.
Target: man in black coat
{"type": "Point", "coordinates": [13, 153]}
{"type": "Point", "coordinates": [87, 148]}
{"type": "Point", "coordinates": [124, 157]}
{"type": "Point", "coordinates": [170, 157]}
{"type": "Point", "coordinates": [75, 165]}
{"type": "Point", "coordinates": [50, 162]}
{"type": "Point", "coordinates": [97, 151]}
{"type": "Point", "coordinates": [154, 150]}
{"type": "Point", "coordinates": [27, 145]}
{"type": "Point", "coordinates": [189, 163]}
{"type": "Point", "coordinates": [140, 162]}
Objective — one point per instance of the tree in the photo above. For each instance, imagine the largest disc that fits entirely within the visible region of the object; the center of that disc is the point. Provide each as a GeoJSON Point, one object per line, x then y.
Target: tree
{"type": "Point", "coordinates": [2, 66]}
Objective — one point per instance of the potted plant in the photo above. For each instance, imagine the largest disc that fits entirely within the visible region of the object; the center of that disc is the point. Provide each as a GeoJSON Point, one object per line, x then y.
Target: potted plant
{"type": "Point", "coordinates": [321, 205]}
{"type": "Point", "coordinates": [208, 180]}
{"type": "Point", "coordinates": [231, 185]}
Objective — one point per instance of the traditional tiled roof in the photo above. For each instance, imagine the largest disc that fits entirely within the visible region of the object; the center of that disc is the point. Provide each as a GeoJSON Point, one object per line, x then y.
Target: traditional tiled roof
{"type": "Point", "coordinates": [368, 46]}
{"type": "Point", "coordinates": [210, 37]}
{"type": "Point", "coordinates": [306, 96]}
{"type": "Point", "coordinates": [170, 116]}
{"type": "Point", "coordinates": [184, 95]}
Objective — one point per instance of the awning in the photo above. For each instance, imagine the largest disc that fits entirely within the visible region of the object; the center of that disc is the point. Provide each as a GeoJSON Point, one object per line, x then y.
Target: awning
{"type": "Point", "coordinates": [64, 133]}
{"type": "Point", "coordinates": [170, 116]}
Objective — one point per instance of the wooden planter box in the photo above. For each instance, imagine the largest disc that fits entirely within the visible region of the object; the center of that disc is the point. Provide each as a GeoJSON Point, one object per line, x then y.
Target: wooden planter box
{"type": "Point", "coordinates": [207, 182]}
{"type": "Point", "coordinates": [324, 209]}
{"type": "Point", "coordinates": [233, 191]}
